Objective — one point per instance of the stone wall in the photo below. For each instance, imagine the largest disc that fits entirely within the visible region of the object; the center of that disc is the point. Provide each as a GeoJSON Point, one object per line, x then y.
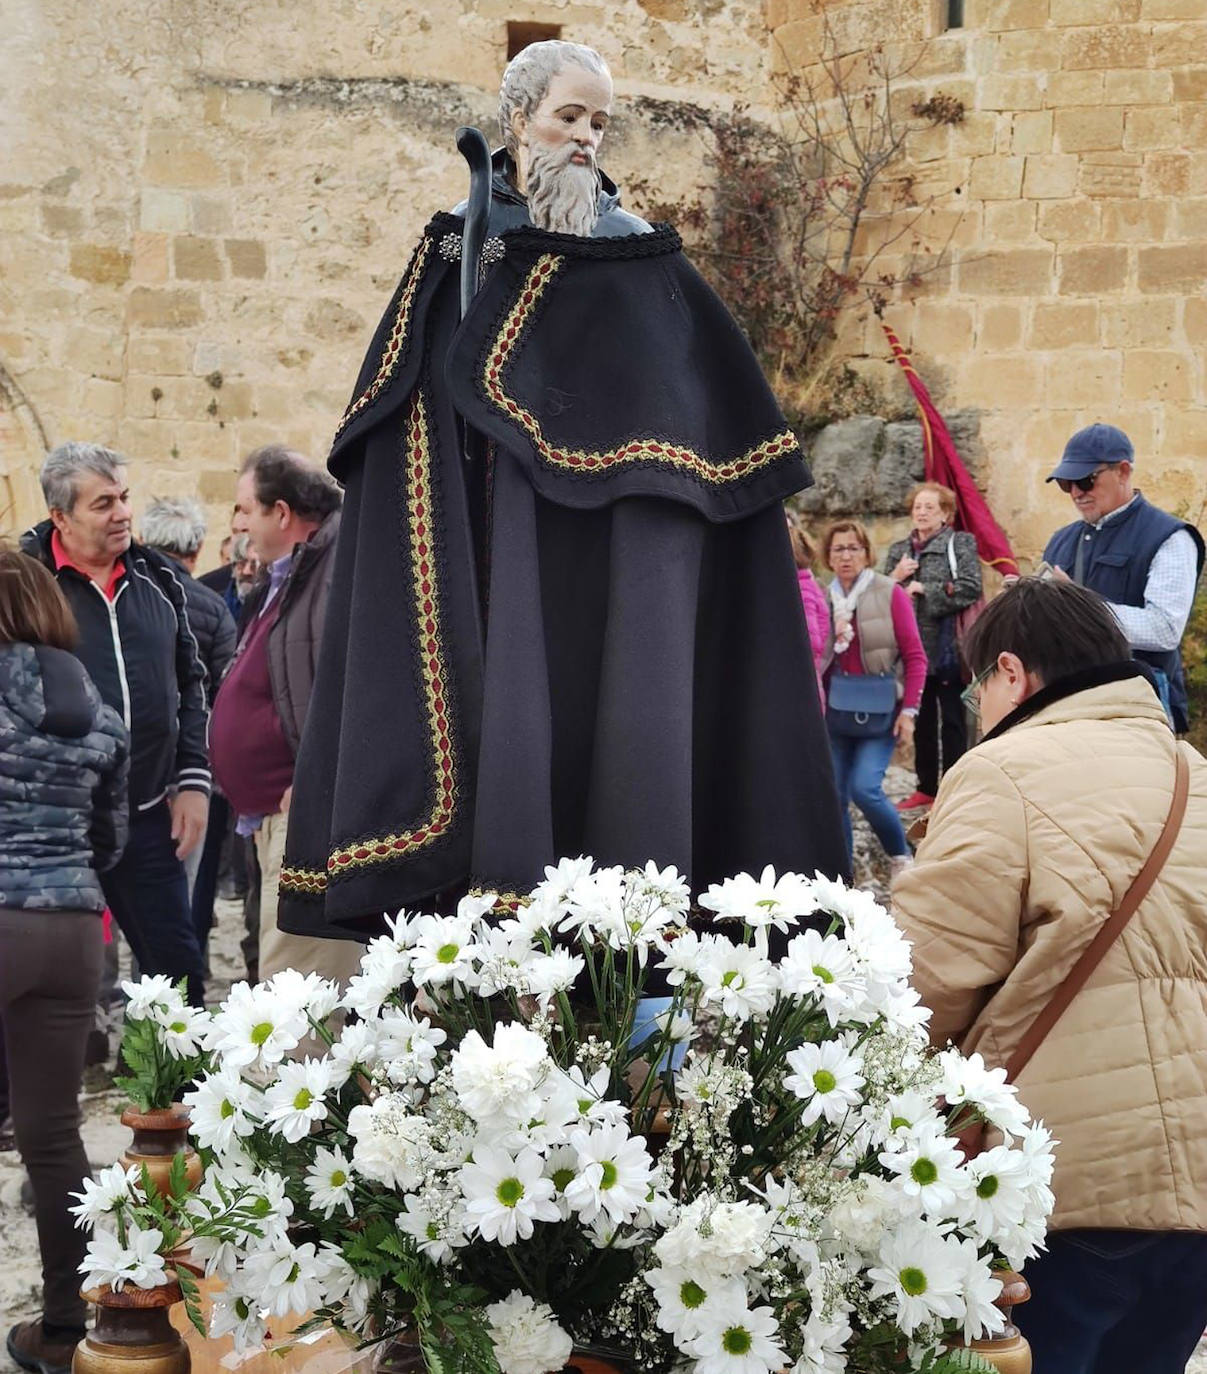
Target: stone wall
{"type": "Point", "coordinates": [1075, 194]}
{"type": "Point", "coordinates": [205, 204]}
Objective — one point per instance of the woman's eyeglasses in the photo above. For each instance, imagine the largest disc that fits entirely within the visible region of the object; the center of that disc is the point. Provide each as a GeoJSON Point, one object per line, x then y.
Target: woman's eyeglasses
{"type": "Point", "coordinates": [1066, 484]}
{"type": "Point", "coordinates": [971, 695]}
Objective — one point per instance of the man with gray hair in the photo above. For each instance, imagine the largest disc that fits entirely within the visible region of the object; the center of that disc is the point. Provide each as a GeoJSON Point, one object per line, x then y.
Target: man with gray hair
{"type": "Point", "coordinates": [140, 650]}
{"type": "Point", "coordinates": [176, 528]}
{"type": "Point", "coordinates": [563, 618]}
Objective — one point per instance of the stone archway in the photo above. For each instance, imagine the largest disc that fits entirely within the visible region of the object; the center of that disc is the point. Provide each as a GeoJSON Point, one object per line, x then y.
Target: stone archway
{"type": "Point", "coordinates": [23, 445]}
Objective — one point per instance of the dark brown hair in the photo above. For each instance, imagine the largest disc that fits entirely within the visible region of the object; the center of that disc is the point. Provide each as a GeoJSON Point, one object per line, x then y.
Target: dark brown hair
{"type": "Point", "coordinates": [32, 608]}
{"type": "Point", "coordinates": [1055, 628]}
{"type": "Point", "coordinates": [836, 527]}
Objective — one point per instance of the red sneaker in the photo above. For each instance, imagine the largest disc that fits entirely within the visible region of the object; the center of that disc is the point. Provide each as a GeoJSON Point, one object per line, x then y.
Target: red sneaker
{"type": "Point", "coordinates": [916, 801]}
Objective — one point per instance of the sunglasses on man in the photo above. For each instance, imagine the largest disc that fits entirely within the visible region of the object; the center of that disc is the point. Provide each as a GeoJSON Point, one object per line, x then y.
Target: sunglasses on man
{"type": "Point", "coordinates": [1066, 484]}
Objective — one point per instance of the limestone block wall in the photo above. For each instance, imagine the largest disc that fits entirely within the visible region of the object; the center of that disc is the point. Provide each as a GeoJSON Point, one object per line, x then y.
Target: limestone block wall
{"type": "Point", "coordinates": [1076, 193]}
{"type": "Point", "coordinates": [205, 204]}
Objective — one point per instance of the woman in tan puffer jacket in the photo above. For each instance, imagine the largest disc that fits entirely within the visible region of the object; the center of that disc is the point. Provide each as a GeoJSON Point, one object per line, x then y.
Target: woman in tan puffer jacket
{"type": "Point", "coordinates": [1035, 837]}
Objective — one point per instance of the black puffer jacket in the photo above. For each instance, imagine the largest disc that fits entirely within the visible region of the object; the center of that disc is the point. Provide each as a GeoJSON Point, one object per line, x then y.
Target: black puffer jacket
{"type": "Point", "coordinates": [213, 626]}
{"type": "Point", "coordinates": [64, 758]}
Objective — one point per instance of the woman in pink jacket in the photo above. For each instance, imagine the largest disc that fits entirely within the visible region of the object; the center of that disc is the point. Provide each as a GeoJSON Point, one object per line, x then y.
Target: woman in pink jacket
{"type": "Point", "coordinates": [813, 599]}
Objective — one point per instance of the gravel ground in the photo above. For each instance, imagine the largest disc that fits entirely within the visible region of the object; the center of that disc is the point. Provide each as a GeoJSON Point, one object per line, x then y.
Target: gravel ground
{"type": "Point", "coordinates": [105, 1137]}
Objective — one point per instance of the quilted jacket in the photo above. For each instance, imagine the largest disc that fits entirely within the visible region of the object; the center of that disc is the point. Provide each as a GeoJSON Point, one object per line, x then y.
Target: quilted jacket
{"type": "Point", "coordinates": [64, 758]}
{"type": "Point", "coordinates": [1035, 837]}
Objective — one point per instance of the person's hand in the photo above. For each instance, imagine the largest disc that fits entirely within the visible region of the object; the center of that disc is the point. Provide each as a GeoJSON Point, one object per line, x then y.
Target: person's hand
{"type": "Point", "coordinates": [903, 728]}
{"type": "Point", "coordinates": [906, 567]}
{"type": "Point", "coordinates": [286, 799]}
{"type": "Point", "coordinates": [190, 812]}
{"type": "Point", "coordinates": [915, 588]}
{"type": "Point", "coordinates": [1059, 575]}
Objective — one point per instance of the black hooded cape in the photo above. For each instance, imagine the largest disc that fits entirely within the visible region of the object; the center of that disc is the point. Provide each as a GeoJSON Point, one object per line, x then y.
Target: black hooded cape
{"type": "Point", "coordinates": [587, 638]}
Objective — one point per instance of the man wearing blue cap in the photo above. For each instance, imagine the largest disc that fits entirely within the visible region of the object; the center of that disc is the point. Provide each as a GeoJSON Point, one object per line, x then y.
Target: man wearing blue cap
{"type": "Point", "coordinates": [1142, 561]}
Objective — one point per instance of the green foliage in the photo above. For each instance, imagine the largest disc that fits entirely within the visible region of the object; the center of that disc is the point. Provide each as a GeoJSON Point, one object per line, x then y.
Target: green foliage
{"type": "Point", "coordinates": [156, 1077]}
{"type": "Point", "coordinates": [960, 1362]}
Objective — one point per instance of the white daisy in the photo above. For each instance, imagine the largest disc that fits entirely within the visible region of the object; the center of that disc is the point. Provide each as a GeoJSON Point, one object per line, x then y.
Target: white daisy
{"type": "Point", "coordinates": [923, 1272]}
{"type": "Point", "coordinates": [443, 951]}
{"type": "Point", "coordinates": [760, 903]}
{"type": "Point", "coordinates": [151, 993]}
{"type": "Point", "coordinates": [329, 1181]}
{"type": "Point", "coordinates": [613, 1175]}
{"type": "Point", "coordinates": [505, 1196]}
{"type": "Point", "coordinates": [113, 1186]}
{"type": "Point", "coordinates": [737, 1341]}
{"type": "Point", "coordinates": [929, 1167]}
{"type": "Point", "coordinates": [138, 1263]}
{"type": "Point", "coordinates": [222, 1108]}
{"type": "Point", "coordinates": [238, 1313]}
{"type": "Point", "coordinates": [286, 1277]}
{"type": "Point", "coordinates": [384, 968]}
{"type": "Point", "coordinates": [254, 1032]}
{"type": "Point", "coordinates": [296, 1100]}
{"type": "Point", "coordinates": [683, 1299]}
{"type": "Point", "coordinates": [739, 978]}
{"type": "Point", "coordinates": [408, 1046]}
{"type": "Point", "coordinates": [436, 1235]}
{"type": "Point", "coordinates": [827, 1078]}
{"type": "Point", "coordinates": [822, 966]}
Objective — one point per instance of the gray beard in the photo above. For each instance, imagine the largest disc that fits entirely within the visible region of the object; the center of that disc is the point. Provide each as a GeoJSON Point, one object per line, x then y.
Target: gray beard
{"type": "Point", "coordinates": [562, 197]}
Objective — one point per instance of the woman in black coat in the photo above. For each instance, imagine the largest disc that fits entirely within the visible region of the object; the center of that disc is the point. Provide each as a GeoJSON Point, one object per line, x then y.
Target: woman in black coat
{"type": "Point", "coordinates": [63, 765]}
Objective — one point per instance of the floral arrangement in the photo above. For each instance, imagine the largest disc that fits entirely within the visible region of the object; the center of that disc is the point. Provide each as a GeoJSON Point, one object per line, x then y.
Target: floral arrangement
{"type": "Point", "coordinates": [498, 1144]}
{"type": "Point", "coordinates": [161, 1043]}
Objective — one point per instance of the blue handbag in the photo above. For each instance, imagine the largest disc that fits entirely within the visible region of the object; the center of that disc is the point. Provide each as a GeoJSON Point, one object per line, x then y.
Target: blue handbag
{"type": "Point", "coordinates": [861, 704]}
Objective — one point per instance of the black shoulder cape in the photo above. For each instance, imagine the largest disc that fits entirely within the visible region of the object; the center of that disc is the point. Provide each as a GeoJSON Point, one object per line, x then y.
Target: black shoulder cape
{"type": "Point", "coordinates": [587, 638]}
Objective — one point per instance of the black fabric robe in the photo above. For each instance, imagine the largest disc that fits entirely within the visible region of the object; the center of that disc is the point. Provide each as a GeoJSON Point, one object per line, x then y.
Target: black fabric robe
{"type": "Point", "coordinates": [585, 639]}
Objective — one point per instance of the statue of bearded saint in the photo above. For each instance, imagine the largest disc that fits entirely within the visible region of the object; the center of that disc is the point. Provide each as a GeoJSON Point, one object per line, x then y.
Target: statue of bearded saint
{"type": "Point", "coordinates": [554, 105]}
{"type": "Point", "coordinates": [563, 618]}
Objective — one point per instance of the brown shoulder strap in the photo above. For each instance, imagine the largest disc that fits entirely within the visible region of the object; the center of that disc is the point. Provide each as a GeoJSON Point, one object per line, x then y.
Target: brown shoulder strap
{"type": "Point", "coordinates": [1111, 928]}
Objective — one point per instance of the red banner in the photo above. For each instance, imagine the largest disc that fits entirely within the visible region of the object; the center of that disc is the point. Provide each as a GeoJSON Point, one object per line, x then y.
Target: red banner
{"type": "Point", "coordinates": [943, 464]}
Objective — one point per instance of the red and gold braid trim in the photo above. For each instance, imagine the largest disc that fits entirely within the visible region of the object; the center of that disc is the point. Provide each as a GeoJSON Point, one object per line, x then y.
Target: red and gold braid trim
{"type": "Point", "coordinates": [506, 903]}
{"type": "Point", "coordinates": [635, 450]}
{"type": "Point", "coordinates": [393, 348]}
{"type": "Point", "coordinates": [425, 592]}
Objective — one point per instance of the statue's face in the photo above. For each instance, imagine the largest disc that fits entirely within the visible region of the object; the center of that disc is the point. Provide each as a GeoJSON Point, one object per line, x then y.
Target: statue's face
{"type": "Point", "coordinates": [574, 110]}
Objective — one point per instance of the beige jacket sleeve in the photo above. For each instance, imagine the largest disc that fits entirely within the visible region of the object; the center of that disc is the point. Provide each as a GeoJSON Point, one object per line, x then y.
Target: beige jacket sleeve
{"type": "Point", "coordinates": [960, 904]}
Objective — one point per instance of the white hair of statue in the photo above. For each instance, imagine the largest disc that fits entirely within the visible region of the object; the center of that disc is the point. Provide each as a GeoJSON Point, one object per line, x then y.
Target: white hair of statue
{"type": "Point", "coordinates": [527, 78]}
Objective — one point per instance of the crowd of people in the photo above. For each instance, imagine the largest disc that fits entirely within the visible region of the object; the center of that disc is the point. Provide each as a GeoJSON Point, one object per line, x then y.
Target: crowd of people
{"type": "Point", "coordinates": [150, 721]}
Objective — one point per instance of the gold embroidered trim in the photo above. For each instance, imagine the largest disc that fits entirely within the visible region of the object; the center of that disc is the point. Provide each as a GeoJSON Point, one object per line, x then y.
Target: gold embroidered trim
{"type": "Point", "coordinates": [398, 332]}
{"type": "Point", "coordinates": [635, 450]}
{"type": "Point", "coordinates": [433, 672]}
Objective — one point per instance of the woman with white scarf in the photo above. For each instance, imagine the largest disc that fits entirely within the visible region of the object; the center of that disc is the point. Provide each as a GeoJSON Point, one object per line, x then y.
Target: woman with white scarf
{"type": "Point", "coordinates": [873, 683]}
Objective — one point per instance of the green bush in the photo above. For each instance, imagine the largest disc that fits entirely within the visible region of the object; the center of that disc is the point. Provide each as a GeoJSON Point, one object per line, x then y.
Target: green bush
{"type": "Point", "coordinates": [1194, 660]}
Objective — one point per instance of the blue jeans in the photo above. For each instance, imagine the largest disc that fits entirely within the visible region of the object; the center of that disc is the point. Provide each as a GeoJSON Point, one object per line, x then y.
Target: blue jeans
{"type": "Point", "coordinates": [1116, 1302]}
{"type": "Point", "coordinates": [149, 897]}
{"type": "Point", "coordinates": [859, 764]}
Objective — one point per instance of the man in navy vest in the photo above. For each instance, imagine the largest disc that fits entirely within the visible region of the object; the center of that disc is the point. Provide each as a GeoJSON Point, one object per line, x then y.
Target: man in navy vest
{"type": "Point", "coordinates": [1142, 561]}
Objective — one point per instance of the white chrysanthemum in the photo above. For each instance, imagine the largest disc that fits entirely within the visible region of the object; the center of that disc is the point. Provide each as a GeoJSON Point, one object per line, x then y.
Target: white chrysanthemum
{"type": "Point", "coordinates": [252, 1031]}
{"type": "Point", "coordinates": [384, 968]}
{"type": "Point", "coordinates": [443, 951]}
{"type": "Point", "coordinates": [967, 1081]}
{"type": "Point", "coordinates": [392, 1144]}
{"type": "Point", "coordinates": [113, 1186]}
{"type": "Point", "coordinates": [761, 903]}
{"type": "Point", "coordinates": [436, 1233]}
{"type": "Point", "coordinates": [929, 1167]}
{"type": "Point", "coordinates": [739, 978]}
{"type": "Point", "coordinates": [222, 1109]}
{"type": "Point", "coordinates": [329, 1182]}
{"type": "Point", "coordinates": [356, 1048]}
{"type": "Point", "coordinates": [981, 1290]}
{"type": "Point", "coordinates": [503, 956]}
{"type": "Point", "coordinates": [864, 1212]}
{"type": "Point", "coordinates": [181, 1029]}
{"type": "Point", "coordinates": [881, 951]}
{"type": "Point", "coordinates": [296, 1101]}
{"type": "Point", "coordinates": [720, 1239]}
{"type": "Point", "coordinates": [997, 1198]}
{"type": "Point", "coordinates": [505, 1195]}
{"type": "Point", "coordinates": [827, 1078]}
{"type": "Point", "coordinates": [526, 1336]}
{"type": "Point", "coordinates": [237, 1313]}
{"type": "Point", "coordinates": [923, 1272]}
{"type": "Point", "coordinates": [500, 1083]}
{"type": "Point", "coordinates": [138, 1262]}
{"type": "Point", "coordinates": [408, 1045]}
{"type": "Point", "coordinates": [823, 1345]}
{"type": "Point", "coordinates": [682, 958]}
{"type": "Point", "coordinates": [151, 993]}
{"type": "Point", "coordinates": [741, 1341]}
{"type": "Point", "coordinates": [683, 1299]}
{"type": "Point", "coordinates": [677, 1027]}
{"type": "Point", "coordinates": [613, 1173]}
{"type": "Point", "coordinates": [596, 908]}
{"type": "Point", "coordinates": [313, 995]}
{"type": "Point", "coordinates": [553, 973]}
{"type": "Point", "coordinates": [822, 966]}
{"type": "Point", "coordinates": [286, 1277]}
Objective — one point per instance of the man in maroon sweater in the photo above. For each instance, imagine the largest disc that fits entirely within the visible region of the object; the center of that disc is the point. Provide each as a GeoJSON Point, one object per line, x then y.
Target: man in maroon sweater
{"type": "Point", "coordinates": [292, 510]}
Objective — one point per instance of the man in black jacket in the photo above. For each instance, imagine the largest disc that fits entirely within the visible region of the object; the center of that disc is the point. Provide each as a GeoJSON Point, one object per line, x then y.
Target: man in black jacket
{"type": "Point", "coordinates": [136, 642]}
{"type": "Point", "coordinates": [177, 528]}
